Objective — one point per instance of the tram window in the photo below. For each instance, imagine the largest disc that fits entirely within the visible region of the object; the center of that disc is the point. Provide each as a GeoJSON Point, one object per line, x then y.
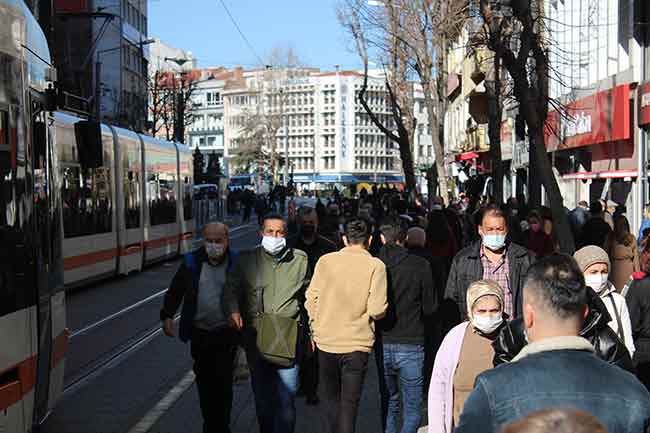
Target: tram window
{"type": "Point", "coordinates": [132, 199]}
{"type": "Point", "coordinates": [87, 207]}
{"type": "Point", "coordinates": [187, 199]}
{"type": "Point", "coordinates": [162, 198]}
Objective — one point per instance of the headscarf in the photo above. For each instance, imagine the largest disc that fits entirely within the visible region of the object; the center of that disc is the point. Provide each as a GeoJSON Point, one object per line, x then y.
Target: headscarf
{"type": "Point", "coordinates": [481, 288]}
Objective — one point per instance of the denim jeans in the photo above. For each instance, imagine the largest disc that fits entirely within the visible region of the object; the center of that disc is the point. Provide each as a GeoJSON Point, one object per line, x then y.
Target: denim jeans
{"type": "Point", "coordinates": [401, 369]}
{"type": "Point", "coordinates": [275, 390]}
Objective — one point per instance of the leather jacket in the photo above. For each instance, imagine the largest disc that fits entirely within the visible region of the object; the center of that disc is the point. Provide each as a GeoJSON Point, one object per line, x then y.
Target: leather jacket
{"type": "Point", "coordinates": [609, 347]}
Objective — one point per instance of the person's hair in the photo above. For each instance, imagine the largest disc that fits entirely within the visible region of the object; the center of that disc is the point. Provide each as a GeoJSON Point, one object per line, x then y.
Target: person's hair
{"type": "Point", "coordinates": [596, 208]}
{"type": "Point", "coordinates": [646, 211]}
{"type": "Point", "coordinates": [558, 285]}
{"type": "Point", "coordinates": [304, 211]}
{"type": "Point", "coordinates": [272, 216]}
{"type": "Point", "coordinates": [216, 223]}
{"type": "Point", "coordinates": [394, 230]}
{"type": "Point", "coordinates": [357, 231]}
{"type": "Point", "coordinates": [583, 203]}
{"type": "Point", "coordinates": [622, 231]}
{"type": "Point", "coordinates": [492, 210]}
{"type": "Point", "coordinates": [437, 228]}
{"type": "Point", "coordinates": [533, 214]}
{"type": "Point", "coordinates": [556, 421]}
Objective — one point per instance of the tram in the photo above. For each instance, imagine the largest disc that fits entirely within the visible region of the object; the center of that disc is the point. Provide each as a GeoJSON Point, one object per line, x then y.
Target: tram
{"type": "Point", "coordinates": [32, 297]}
{"type": "Point", "coordinates": [132, 208]}
{"type": "Point", "coordinates": [79, 201]}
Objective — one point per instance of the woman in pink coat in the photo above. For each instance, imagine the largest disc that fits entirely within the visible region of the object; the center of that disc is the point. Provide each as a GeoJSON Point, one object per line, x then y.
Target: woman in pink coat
{"type": "Point", "coordinates": [465, 352]}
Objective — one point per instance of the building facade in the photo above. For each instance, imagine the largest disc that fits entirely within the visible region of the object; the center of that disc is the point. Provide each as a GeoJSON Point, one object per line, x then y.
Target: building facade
{"type": "Point", "coordinates": [101, 52]}
{"type": "Point", "coordinates": [318, 123]}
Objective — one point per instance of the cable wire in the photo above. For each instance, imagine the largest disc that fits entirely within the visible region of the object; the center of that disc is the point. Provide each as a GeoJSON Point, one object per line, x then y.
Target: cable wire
{"type": "Point", "coordinates": [250, 46]}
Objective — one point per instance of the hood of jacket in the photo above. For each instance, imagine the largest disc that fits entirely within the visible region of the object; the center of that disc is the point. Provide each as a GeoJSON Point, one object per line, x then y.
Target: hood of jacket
{"type": "Point", "coordinates": [392, 255]}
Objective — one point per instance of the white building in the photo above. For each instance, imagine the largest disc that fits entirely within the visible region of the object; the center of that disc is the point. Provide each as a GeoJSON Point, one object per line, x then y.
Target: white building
{"type": "Point", "coordinates": [162, 58]}
{"type": "Point", "coordinates": [329, 137]}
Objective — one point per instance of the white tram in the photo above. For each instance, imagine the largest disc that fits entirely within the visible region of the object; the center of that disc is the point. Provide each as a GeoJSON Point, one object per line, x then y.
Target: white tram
{"type": "Point", "coordinates": [133, 209]}
{"type": "Point", "coordinates": [78, 201]}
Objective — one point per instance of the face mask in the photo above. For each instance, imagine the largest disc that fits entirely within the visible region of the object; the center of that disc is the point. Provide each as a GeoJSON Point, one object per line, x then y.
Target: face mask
{"type": "Point", "coordinates": [214, 250]}
{"type": "Point", "coordinates": [494, 242]}
{"type": "Point", "coordinates": [487, 324]}
{"type": "Point", "coordinates": [273, 245]}
{"type": "Point", "coordinates": [598, 282]}
{"type": "Point", "coordinates": [515, 212]}
{"type": "Point", "coordinates": [436, 207]}
{"type": "Point", "coordinates": [535, 227]}
{"type": "Point", "coordinates": [308, 230]}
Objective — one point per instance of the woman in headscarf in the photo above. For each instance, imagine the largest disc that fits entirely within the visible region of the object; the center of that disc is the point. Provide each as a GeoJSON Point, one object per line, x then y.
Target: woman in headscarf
{"type": "Point", "coordinates": [465, 353]}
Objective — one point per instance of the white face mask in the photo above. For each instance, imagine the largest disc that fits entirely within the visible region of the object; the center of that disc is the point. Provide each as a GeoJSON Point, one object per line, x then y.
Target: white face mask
{"type": "Point", "coordinates": [598, 282]}
{"type": "Point", "coordinates": [487, 324]}
{"type": "Point", "coordinates": [273, 245]}
{"type": "Point", "coordinates": [214, 250]}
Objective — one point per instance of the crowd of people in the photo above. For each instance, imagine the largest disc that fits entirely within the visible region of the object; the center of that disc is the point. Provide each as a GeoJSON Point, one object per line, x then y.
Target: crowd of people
{"type": "Point", "coordinates": [474, 318]}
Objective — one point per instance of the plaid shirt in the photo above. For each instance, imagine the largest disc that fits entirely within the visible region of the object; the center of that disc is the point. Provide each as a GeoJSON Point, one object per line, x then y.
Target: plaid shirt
{"type": "Point", "coordinates": [499, 272]}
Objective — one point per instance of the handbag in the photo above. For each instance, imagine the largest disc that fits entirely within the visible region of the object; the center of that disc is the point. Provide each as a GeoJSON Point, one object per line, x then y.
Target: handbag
{"type": "Point", "coordinates": [277, 336]}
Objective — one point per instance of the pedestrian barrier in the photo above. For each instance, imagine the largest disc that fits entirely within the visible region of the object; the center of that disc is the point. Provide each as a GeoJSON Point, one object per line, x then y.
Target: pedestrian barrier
{"type": "Point", "coordinates": [207, 210]}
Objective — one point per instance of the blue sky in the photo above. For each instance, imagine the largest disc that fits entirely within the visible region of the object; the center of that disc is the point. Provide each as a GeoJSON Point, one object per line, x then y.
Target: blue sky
{"type": "Point", "coordinates": [203, 27]}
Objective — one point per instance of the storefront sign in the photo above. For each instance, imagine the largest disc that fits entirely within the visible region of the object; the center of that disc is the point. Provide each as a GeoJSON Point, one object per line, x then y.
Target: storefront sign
{"type": "Point", "coordinates": [600, 118]}
{"type": "Point", "coordinates": [644, 104]}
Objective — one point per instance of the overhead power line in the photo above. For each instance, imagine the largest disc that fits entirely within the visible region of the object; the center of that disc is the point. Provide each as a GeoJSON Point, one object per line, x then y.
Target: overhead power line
{"type": "Point", "coordinates": [250, 46]}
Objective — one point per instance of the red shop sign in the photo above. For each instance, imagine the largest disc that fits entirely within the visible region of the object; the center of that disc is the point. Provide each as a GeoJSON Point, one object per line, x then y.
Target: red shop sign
{"type": "Point", "coordinates": [644, 104]}
{"type": "Point", "coordinates": [600, 118]}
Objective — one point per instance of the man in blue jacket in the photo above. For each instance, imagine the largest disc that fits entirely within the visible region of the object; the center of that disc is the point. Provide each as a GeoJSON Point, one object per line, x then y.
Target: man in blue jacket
{"type": "Point", "coordinates": [198, 285]}
{"type": "Point", "coordinates": [557, 369]}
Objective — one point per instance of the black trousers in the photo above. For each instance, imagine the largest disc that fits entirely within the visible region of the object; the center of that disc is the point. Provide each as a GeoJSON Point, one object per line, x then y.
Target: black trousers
{"type": "Point", "coordinates": [214, 355]}
{"type": "Point", "coordinates": [340, 384]}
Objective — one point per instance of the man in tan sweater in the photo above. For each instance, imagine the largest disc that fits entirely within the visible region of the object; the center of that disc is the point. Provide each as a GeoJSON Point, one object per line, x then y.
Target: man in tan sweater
{"type": "Point", "coordinates": [346, 295]}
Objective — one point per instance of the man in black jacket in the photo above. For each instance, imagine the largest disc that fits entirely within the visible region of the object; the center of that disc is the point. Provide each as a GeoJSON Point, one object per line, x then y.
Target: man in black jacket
{"type": "Point", "coordinates": [198, 285]}
{"type": "Point", "coordinates": [494, 258]}
{"type": "Point", "coordinates": [400, 349]}
{"type": "Point", "coordinates": [595, 328]}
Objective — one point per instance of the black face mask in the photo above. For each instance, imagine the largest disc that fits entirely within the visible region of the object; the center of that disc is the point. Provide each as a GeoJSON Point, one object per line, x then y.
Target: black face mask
{"type": "Point", "coordinates": [308, 230]}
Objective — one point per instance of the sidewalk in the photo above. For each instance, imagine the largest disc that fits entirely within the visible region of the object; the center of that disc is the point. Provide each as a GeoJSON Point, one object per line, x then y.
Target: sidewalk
{"type": "Point", "coordinates": [185, 415]}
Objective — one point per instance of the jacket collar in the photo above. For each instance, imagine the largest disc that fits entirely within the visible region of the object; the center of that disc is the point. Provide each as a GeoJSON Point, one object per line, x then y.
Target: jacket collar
{"type": "Point", "coordinates": [609, 290]}
{"type": "Point", "coordinates": [554, 344]}
{"type": "Point", "coordinates": [285, 256]}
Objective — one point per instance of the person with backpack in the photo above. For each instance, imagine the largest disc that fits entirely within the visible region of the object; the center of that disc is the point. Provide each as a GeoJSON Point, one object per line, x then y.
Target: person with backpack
{"type": "Point", "coordinates": [198, 285]}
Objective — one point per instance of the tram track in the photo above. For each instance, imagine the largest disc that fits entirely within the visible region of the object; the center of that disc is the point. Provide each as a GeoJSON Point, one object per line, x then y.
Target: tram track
{"type": "Point", "coordinates": [111, 359]}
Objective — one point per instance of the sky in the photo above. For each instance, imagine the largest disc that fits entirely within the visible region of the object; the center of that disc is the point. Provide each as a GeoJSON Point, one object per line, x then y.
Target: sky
{"type": "Point", "coordinates": [204, 28]}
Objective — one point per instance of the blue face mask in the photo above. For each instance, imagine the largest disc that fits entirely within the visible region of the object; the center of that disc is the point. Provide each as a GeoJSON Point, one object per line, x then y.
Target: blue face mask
{"type": "Point", "coordinates": [494, 242]}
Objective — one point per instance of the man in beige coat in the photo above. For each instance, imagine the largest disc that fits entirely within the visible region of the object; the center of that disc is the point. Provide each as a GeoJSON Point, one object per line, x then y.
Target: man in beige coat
{"type": "Point", "coordinates": [346, 295]}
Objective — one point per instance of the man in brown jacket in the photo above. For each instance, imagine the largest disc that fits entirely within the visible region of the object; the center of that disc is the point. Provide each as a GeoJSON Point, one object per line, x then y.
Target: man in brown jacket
{"type": "Point", "coordinates": [346, 295]}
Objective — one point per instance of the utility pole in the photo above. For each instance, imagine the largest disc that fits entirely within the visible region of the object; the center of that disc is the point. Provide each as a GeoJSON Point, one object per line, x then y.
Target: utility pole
{"type": "Point", "coordinates": [98, 89]}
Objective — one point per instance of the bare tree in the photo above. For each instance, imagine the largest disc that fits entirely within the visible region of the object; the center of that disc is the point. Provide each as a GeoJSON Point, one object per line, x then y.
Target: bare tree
{"type": "Point", "coordinates": [160, 107]}
{"type": "Point", "coordinates": [527, 63]}
{"type": "Point", "coordinates": [362, 24]}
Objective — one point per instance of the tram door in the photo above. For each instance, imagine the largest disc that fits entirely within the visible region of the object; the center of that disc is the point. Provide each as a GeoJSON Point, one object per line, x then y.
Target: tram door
{"type": "Point", "coordinates": [43, 259]}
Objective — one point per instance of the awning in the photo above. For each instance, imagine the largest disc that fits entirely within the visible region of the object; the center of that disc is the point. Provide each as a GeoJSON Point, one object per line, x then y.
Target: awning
{"type": "Point", "coordinates": [468, 156]}
{"type": "Point", "coordinates": [615, 174]}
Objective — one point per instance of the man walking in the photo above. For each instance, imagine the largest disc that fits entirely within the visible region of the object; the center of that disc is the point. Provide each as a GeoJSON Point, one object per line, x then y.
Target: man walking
{"type": "Point", "coordinates": [557, 368]}
{"type": "Point", "coordinates": [346, 294]}
{"type": "Point", "coordinates": [264, 298]}
{"type": "Point", "coordinates": [198, 285]}
{"type": "Point", "coordinates": [491, 258]}
{"type": "Point", "coordinates": [400, 349]}
{"type": "Point", "coordinates": [315, 246]}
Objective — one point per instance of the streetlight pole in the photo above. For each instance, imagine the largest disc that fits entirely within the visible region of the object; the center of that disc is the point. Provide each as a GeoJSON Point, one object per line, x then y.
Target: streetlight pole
{"type": "Point", "coordinates": [286, 149]}
{"type": "Point", "coordinates": [179, 106]}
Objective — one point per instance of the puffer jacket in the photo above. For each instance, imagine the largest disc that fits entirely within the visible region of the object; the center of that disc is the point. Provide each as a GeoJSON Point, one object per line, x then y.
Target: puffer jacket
{"type": "Point", "coordinates": [608, 346]}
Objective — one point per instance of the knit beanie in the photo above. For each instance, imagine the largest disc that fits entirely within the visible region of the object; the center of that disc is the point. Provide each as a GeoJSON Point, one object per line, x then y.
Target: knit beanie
{"type": "Point", "coordinates": [590, 255]}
